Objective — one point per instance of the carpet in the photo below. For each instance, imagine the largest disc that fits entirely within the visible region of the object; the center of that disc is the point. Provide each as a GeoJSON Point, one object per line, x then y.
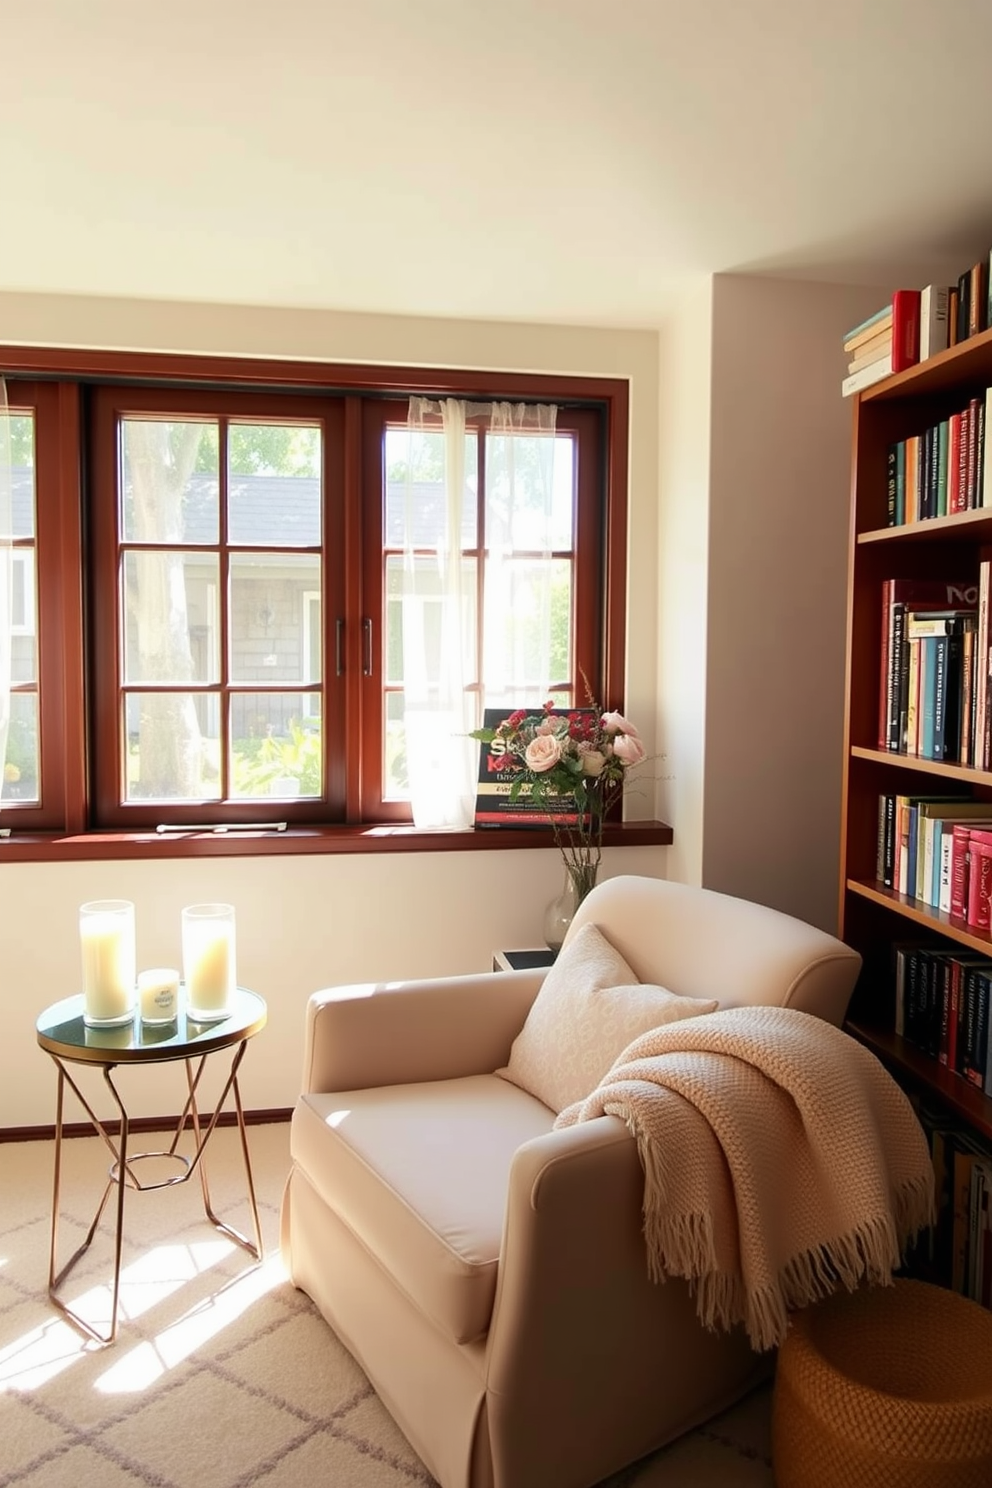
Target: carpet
{"type": "Point", "coordinates": [222, 1375]}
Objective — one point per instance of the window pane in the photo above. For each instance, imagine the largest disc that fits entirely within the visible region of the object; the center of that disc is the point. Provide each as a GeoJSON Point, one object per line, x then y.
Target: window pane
{"type": "Point", "coordinates": [528, 624]}
{"type": "Point", "coordinates": [170, 608]}
{"type": "Point", "coordinates": [23, 621]}
{"type": "Point", "coordinates": [275, 618]}
{"type": "Point", "coordinates": [416, 504]}
{"type": "Point", "coordinates": [396, 781]}
{"type": "Point", "coordinates": [22, 474]}
{"type": "Point", "coordinates": [169, 481]}
{"type": "Point", "coordinates": [529, 487]}
{"type": "Point", "coordinates": [19, 781]}
{"type": "Point", "coordinates": [172, 746]}
{"type": "Point", "coordinates": [274, 484]}
{"type": "Point", "coordinates": [276, 744]}
{"type": "Point", "coordinates": [421, 622]}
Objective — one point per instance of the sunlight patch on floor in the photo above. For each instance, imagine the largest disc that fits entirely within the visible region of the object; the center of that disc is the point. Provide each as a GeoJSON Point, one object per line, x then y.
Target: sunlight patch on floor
{"type": "Point", "coordinates": [143, 1365]}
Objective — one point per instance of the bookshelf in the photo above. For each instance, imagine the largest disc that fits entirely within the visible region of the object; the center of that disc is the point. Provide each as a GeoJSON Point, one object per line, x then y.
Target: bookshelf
{"type": "Point", "coordinates": [874, 918]}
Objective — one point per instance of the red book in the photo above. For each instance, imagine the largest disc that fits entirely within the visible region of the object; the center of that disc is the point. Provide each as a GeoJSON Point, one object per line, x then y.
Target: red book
{"type": "Point", "coordinates": [905, 329]}
{"type": "Point", "coordinates": [962, 467]}
{"type": "Point", "coordinates": [953, 446]}
{"type": "Point", "coordinates": [971, 496]}
{"type": "Point", "coordinates": [960, 833]}
{"type": "Point", "coordinates": [979, 882]}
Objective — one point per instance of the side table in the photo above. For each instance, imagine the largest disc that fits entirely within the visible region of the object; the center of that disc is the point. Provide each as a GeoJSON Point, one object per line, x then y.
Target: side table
{"type": "Point", "coordinates": [63, 1034]}
{"type": "Point", "coordinates": [523, 960]}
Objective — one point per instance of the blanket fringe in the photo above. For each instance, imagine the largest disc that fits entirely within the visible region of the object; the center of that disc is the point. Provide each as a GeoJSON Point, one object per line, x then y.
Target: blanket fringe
{"type": "Point", "coordinates": [870, 1253]}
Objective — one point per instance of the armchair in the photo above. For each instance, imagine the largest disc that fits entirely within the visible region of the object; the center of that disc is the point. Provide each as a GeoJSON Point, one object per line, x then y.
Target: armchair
{"type": "Point", "coordinates": [488, 1272]}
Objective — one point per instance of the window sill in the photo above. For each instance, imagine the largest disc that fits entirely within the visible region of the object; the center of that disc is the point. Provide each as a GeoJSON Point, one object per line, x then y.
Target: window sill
{"type": "Point", "coordinates": [54, 847]}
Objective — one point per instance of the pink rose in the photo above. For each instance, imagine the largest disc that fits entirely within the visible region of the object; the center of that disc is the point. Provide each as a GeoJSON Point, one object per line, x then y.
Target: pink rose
{"type": "Point", "coordinates": [542, 753]}
{"type": "Point", "coordinates": [615, 723]}
{"type": "Point", "coordinates": [628, 749]}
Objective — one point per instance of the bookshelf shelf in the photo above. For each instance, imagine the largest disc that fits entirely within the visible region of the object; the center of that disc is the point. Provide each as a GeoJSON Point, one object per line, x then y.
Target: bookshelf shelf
{"type": "Point", "coordinates": [971, 526]}
{"type": "Point", "coordinates": [923, 914]}
{"type": "Point", "coordinates": [961, 774]}
{"type": "Point", "coordinates": [963, 1099]}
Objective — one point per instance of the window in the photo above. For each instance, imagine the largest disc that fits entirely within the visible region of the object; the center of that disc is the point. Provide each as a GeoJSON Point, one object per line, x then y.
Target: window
{"type": "Point", "coordinates": [42, 619]}
{"type": "Point", "coordinates": [209, 593]}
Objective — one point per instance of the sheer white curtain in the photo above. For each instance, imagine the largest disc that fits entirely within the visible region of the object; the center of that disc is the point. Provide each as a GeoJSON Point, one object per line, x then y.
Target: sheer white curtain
{"type": "Point", "coordinates": [6, 577]}
{"type": "Point", "coordinates": [440, 589]}
{"type": "Point", "coordinates": [522, 515]}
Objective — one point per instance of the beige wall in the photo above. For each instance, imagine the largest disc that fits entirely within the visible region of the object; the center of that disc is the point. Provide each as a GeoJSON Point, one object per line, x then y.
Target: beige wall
{"type": "Point", "coordinates": [778, 527]}
{"type": "Point", "coordinates": [313, 921]}
{"type": "Point", "coordinates": [682, 566]}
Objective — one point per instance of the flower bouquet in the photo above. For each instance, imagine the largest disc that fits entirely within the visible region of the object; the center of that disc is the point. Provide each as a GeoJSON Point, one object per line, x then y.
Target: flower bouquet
{"type": "Point", "coordinates": [573, 765]}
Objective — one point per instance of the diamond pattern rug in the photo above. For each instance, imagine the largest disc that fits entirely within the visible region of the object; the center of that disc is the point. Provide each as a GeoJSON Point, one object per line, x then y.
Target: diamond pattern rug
{"type": "Point", "coordinates": [222, 1375]}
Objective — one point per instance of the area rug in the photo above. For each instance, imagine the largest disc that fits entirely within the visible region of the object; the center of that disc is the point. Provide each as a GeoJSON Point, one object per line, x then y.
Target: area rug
{"type": "Point", "coordinates": [222, 1375]}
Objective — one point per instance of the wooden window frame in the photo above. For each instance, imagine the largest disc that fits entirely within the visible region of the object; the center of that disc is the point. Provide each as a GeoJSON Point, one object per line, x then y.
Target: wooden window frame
{"type": "Point", "coordinates": [77, 811]}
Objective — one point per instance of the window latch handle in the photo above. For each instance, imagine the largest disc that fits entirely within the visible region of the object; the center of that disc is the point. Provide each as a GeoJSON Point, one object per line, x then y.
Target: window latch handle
{"type": "Point", "coordinates": [339, 648]}
{"type": "Point", "coordinates": [367, 647]}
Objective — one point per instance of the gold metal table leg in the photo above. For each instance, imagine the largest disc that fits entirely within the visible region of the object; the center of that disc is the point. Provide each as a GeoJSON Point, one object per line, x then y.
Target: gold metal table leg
{"type": "Point", "coordinates": [202, 1137]}
{"type": "Point", "coordinates": [120, 1175]}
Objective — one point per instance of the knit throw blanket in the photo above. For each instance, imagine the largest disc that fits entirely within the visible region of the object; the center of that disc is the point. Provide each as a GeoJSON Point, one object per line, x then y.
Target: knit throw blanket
{"type": "Point", "coordinates": [780, 1160]}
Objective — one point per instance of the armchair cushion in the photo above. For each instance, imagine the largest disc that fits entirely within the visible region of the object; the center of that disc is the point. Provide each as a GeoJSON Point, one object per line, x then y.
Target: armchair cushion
{"type": "Point", "coordinates": [591, 1005]}
{"type": "Point", "coordinates": [419, 1173]}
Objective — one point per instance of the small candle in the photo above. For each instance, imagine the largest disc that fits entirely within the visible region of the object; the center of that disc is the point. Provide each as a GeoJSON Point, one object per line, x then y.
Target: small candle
{"type": "Point", "coordinates": [106, 937]}
{"type": "Point", "coordinates": [158, 994]}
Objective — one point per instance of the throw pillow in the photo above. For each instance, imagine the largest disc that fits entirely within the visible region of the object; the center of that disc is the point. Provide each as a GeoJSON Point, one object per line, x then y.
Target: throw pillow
{"type": "Point", "coordinates": [589, 1008]}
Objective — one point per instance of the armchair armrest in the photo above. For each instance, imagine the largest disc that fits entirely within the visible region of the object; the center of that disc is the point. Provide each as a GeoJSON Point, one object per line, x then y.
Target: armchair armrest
{"type": "Point", "coordinates": [396, 1033]}
{"type": "Point", "coordinates": [579, 1333]}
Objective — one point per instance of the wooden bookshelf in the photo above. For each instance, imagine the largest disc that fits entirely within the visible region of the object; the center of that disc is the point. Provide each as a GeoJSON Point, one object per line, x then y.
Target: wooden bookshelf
{"type": "Point", "coordinates": [874, 918]}
{"type": "Point", "coordinates": [967, 1103]}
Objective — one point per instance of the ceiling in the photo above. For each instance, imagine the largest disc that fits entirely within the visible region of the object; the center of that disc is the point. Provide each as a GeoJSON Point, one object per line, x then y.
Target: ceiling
{"type": "Point", "coordinates": [553, 160]}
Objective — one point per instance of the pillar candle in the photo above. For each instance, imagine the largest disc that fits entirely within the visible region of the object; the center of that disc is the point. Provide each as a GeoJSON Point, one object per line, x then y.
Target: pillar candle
{"type": "Point", "coordinates": [106, 936]}
{"type": "Point", "coordinates": [208, 957]}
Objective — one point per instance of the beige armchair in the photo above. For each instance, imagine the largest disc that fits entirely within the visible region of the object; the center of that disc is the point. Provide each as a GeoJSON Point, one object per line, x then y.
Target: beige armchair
{"type": "Point", "coordinates": [487, 1272]}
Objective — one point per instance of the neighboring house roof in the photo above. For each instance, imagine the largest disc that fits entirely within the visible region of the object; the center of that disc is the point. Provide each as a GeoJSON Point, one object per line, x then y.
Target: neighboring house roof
{"type": "Point", "coordinates": [278, 509]}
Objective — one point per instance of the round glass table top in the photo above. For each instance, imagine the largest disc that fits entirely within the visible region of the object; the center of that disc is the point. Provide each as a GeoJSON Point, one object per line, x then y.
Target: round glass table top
{"type": "Point", "coordinates": [61, 1031]}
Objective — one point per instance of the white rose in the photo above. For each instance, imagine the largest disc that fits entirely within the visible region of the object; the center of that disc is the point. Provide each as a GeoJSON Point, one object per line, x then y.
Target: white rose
{"type": "Point", "coordinates": [542, 753]}
{"type": "Point", "coordinates": [592, 762]}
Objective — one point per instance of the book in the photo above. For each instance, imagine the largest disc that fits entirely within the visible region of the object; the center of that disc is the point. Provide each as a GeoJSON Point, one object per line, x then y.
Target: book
{"type": "Point", "coordinates": [977, 296]}
{"type": "Point", "coordinates": [964, 304]}
{"type": "Point", "coordinates": [933, 320]}
{"type": "Point", "coordinates": [952, 315]}
{"type": "Point", "coordinates": [870, 352]}
{"type": "Point", "coordinates": [971, 499]}
{"type": "Point", "coordinates": [979, 883]}
{"type": "Point", "coordinates": [905, 329]}
{"type": "Point", "coordinates": [966, 1153]}
{"type": "Point", "coordinates": [874, 372]}
{"type": "Point", "coordinates": [874, 346]}
{"type": "Point", "coordinates": [868, 328]}
{"type": "Point", "coordinates": [498, 802]}
{"type": "Point", "coordinates": [912, 445]}
{"type": "Point", "coordinates": [986, 453]}
{"type": "Point", "coordinates": [932, 594]}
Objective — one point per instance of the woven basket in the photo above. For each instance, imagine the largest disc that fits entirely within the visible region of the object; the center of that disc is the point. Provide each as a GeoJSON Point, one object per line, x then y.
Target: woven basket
{"type": "Point", "coordinates": [885, 1388]}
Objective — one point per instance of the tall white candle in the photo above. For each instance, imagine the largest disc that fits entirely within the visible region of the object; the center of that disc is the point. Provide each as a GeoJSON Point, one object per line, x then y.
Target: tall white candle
{"type": "Point", "coordinates": [208, 957]}
{"type": "Point", "coordinates": [106, 937]}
